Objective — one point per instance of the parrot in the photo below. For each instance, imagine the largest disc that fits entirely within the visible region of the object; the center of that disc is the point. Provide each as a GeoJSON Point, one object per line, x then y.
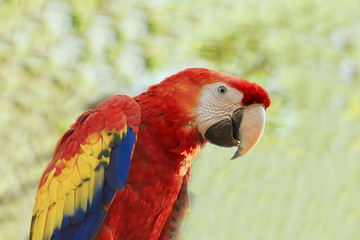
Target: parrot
{"type": "Point", "coordinates": [122, 170]}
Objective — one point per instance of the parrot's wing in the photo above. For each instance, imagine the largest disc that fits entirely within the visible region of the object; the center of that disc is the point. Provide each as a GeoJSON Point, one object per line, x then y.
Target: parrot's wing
{"type": "Point", "coordinates": [90, 163]}
{"type": "Point", "coordinates": [175, 221]}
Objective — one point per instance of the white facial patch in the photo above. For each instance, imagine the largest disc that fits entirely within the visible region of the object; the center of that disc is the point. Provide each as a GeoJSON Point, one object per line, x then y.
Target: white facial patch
{"type": "Point", "coordinates": [217, 102]}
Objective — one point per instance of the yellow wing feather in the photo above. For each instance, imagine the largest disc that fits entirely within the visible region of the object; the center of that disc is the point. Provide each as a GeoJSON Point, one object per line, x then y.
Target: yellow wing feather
{"type": "Point", "coordinates": [82, 196]}
{"type": "Point", "coordinates": [40, 225]}
{"type": "Point", "coordinates": [84, 169]}
{"type": "Point", "coordinates": [50, 221]}
{"type": "Point", "coordinates": [53, 191]}
{"type": "Point", "coordinates": [59, 212]}
{"type": "Point", "coordinates": [74, 187]}
{"type": "Point", "coordinates": [91, 187]}
{"type": "Point", "coordinates": [69, 209]}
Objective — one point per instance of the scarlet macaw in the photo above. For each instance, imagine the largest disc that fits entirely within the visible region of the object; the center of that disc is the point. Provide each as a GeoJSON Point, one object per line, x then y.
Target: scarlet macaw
{"type": "Point", "coordinates": [122, 170]}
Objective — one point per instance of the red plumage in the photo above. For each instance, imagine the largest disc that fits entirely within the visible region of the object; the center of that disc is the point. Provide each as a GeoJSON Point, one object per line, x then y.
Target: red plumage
{"type": "Point", "coordinates": [155, 199]}
{"type": "Point", "coordinates": [168, 142]}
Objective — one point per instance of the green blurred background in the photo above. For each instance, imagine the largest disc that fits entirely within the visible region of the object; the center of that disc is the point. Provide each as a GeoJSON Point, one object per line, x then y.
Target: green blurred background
{"type": "Point", "coordinates": [302, 181]}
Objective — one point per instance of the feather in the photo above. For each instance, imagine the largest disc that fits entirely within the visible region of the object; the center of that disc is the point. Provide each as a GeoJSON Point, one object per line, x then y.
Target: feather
{"type": "Point", "coordinates": [59, 213]}
{"type": "Point", "coordinates": [65, 186]}
{"type": "Point", "coordinates": [60, 193]}
{"type": "Point", "coordinates": [75, 177]}
{"type": "Point", "coordinates": [50, 221]}
{"type": "Point", "coordinates": [84, 169]}
{"type": "Point", "coordinates": [79, 212]}
{"type": "Point", "coordinates": [86, 148]}
{"type": "Point", "coordinates": [91, 188]}
{"type": "Point", "coordinates": [91, 160]}
{"type": "Point", "coordinates": [73, 195]}
{"type": "Point", "coordinates": [118, 170]}
{"type": "Point", "coordinates": [107, 137]}
{"type": "Point", "coordinates": [82, 197]}
{"type": "Point", "coordinates": [40, 226]}
{"type": "Point", "coordinates": [98, 186]}
{"type": "Point", "coordinates": [53, 191]}
{"type": "Point", "coordinates": [45, 200]}
{"type": "Point", "coordinates": [97, 146]}
{"type": "Point", "coordinates": [69, 209]}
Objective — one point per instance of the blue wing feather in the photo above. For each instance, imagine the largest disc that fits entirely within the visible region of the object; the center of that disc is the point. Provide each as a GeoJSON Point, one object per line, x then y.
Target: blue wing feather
{"type": "Point", "coordinates": [118, 170]}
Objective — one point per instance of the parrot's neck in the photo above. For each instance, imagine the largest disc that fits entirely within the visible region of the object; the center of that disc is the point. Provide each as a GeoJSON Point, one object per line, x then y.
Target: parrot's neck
{"type": "Point", "coordinates": [169, 131]}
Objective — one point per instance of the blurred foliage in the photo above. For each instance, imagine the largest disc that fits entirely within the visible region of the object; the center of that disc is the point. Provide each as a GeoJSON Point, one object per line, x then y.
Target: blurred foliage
{"type": "Point", "coordinates": [58, 58]}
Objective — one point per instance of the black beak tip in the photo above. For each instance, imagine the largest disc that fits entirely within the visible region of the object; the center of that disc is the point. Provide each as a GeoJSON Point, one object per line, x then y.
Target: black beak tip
{"type": "Point", "coordinates": [237, 153]}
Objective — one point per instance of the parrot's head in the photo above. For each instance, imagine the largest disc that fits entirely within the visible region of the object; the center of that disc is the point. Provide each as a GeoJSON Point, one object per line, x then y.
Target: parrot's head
{"type": "Point", "coordinates": [231, 112]}
{"type": "Point", "coordinates": [227, 111]}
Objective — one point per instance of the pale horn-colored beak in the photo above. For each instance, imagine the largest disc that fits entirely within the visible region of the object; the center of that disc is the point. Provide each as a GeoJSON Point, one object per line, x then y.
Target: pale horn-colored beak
{"type": "Point", "coordinates": [251, 128]}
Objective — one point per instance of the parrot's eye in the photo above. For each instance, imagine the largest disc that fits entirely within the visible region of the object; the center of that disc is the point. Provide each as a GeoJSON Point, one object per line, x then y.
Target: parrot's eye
{"type": "Point", "coordinates": [222, 90]}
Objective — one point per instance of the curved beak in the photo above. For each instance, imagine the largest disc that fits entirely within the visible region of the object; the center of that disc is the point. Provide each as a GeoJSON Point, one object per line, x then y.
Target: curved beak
{"type": "Point", "coordinates": [244, 129]}
{"type": "Point", "coordinates": [251, 128]}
